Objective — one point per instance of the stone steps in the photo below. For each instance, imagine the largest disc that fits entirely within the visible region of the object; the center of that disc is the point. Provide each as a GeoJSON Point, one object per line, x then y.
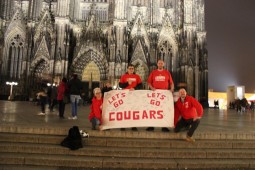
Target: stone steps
{"type": "Point", "coordinates": [40, 148]}
{"type": "Point", "coordinates": [142, 133]}
{"type": "Point", "coordinates": [129, 142]}
{"type": "Point", "coordinates": [156, 152]}
{"type": "Point", "coordinates": [70, 161]}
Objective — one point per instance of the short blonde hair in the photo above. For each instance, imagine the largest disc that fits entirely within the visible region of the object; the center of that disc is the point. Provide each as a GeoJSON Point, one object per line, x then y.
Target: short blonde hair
{"type": "Point", "coordinates": [96, 90]}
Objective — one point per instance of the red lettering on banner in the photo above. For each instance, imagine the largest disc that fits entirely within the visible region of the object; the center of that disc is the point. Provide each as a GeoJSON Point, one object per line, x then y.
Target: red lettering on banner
{"type": "Point", "coordinates": [111, 116]}
{"type": "Point", "coordinates": [160, 114]}
{"type": "Point", "coordinates": [156, 95]}
{"type": "Point", "coordinates": [118, 103]}
{"type": "Point", "coordinates": [154, 102]}
{"type": "Point", "coordinates": [136, 115]}
{"type": "Point", "coordinates": [117, 96]}
{"type": "Point", "coordinates": [119, 116]}
{"type": "Point", "coordinates": [162, 97]}
{"type": "Point", "coordinates": [145, 115]}
{"type": "Point", "coordinates": [152, 114]}
{"type": "Point", "coordinates": [127, 114]}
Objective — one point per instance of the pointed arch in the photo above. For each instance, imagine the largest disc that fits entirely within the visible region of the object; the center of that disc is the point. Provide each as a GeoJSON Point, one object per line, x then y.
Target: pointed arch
{"type": "Point", "coordinates": [91, 72]}
{"type": "Point", "coordinates": [85, 57]}
{"type": "Point", "coordinates": [167, 45]}
{"type": "Point", "coordinates": [45, 24]}
{"type": "Point", "coordinates": [15, 38]}
{"type": "Point", "coordinates": [139, 28]}
{"type": "Point", "coordinates": [42, 49]}
{"type": "Point", "coordinates": [40, 69]}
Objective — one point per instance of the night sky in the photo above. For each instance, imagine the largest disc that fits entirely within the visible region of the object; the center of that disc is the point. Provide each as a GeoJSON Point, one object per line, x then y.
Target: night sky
{"type": "Point", "coordinates": [230, 27]}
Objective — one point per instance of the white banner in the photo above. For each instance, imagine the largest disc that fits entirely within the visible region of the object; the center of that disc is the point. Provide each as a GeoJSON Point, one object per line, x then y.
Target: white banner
{"type": "Point", "coordinates": [138, 108]}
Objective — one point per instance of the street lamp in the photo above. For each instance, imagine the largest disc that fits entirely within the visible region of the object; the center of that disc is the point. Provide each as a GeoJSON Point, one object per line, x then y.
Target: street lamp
{"type": "Point", "coordinates": [11, 84]}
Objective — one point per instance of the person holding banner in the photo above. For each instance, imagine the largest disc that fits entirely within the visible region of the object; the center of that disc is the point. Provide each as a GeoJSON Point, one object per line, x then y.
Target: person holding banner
{"type": "Point", "coordinates": [130, 81]}
{"type": "Point", "coordinates": [190, 111]}
{"type": "Point", "coordinates": [160, 79]}
{"type": "Point", "coordinates": [95, 116]}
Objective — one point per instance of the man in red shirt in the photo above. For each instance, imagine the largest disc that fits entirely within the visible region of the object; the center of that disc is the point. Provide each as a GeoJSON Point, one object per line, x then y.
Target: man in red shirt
{"type": "Point", "coordinates": [130, 81]}
{"type": "Point", "coordinates": [190, 111]}
{"type": "Point", "coordinates": [160, 79]}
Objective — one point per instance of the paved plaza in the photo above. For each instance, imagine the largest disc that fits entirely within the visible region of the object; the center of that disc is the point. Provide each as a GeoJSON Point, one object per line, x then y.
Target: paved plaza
{"type": "Point", "coordinates": [20, 113]}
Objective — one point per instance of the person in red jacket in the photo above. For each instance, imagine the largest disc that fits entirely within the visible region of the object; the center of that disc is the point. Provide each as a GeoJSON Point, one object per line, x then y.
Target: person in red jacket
{"type": "Point", "coordinates": [62, 91]}
{"type": "Point", "coordinates": [190, 111]}
{"type": "Point", "coordinates": [95, 116]}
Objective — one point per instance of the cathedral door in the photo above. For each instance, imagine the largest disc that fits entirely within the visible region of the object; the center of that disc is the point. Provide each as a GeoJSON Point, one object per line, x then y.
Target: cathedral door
{"type": "Point", "coordinates": [90, 79]}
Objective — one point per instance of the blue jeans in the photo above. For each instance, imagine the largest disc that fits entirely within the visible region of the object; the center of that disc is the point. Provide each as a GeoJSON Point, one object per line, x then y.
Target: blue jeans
{"type": "Point", "coordinates": [94, 122]}
{"type": "Point", "coordinates": [74, 100]}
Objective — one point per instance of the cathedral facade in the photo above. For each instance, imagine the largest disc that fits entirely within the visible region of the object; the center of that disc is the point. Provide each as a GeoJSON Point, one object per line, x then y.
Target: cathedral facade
{"type": "Point", "coordinates": [45, 40]}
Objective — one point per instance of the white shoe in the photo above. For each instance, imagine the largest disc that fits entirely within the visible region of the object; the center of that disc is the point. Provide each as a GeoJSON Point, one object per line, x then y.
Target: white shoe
{"type": "Point", "coordinates": [73, 118]}
{"type": "Point", "coordinates": [84, 134]}
{"type": "Point", "coordinates": [41, 114]}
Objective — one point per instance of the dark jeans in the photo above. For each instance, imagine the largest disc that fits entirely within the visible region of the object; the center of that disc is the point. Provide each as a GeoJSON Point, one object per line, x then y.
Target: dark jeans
{"type": "Point", "coordinates": [187, 123]}
{"type": "Point", "coordinates": [53, 103]}
{"type": "Point", "coordinates": [43, 100]}
{"type": "Point", "coordinates": [61, 108]}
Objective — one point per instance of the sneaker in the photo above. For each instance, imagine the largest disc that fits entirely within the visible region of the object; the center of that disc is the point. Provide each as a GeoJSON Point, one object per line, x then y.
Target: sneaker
{"type": "Point", "coordinates": [165, 129]}
{"type": "Point", "coordinates": [150, 129]}
{"type": "Point", "coordinates": [134, 129]}
{"type": "Point", "coordinates": [190, 139]}
{"type": "Point", "coordinates": [73, 118]}
{"type": "Point", "coordinates": [84, 134]}
{"type": "Point", "coordinates": [41, 114]}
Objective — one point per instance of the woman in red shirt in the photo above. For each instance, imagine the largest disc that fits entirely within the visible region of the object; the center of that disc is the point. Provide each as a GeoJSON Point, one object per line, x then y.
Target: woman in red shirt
{"type": "Point", "coordinates": [95, 116]}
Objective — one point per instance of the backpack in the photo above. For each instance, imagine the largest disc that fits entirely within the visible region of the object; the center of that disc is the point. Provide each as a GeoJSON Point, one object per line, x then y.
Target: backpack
{"type": "Point", "coordinates": [74, 140]}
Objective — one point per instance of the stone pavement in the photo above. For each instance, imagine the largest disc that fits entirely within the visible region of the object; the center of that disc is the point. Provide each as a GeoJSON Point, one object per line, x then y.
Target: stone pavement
{"type": "Point", "coordinates": [20, 113]}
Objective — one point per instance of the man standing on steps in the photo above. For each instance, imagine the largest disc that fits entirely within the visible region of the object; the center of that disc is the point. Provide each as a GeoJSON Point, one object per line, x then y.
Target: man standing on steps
{"type": "Point", "coordinates": [190, 111]}
{"type": "Point", "coordinates": [160, 79]}
{"type": "Point", "coordinates": [74, 87]}
{"type": "Point", "coordinates": [130, 81]}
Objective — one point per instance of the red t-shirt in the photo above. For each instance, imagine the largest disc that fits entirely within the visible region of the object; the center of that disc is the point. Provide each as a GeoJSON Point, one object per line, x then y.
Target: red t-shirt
{"type": "Point", "coordinates": [160, 79]}
{"type": "Point", "coordinates": [131, 77]}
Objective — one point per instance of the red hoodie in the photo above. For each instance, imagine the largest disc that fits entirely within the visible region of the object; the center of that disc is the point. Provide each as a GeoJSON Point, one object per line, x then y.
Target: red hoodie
{"type": "Point", "coordinates": [96, 110]}
{"type": "Point", "coordinates": [62, 88]}
{"type": "Point", "coordinates": [188, 109]}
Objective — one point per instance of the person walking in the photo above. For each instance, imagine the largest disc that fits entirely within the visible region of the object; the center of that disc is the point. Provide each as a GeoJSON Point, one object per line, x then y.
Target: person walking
{"type": "Point", "coordinates": [53, 97]}
{"type": "Point", "coordinates": [74, 87]}
{"type": "Point", "coordinates": [190, 111]}
{"type": "Point", "coordinates": [160, 79]}
{"type": "Point", "coordinates": [61, 94]}
{"type": "Point", "coordinates": [42, 95]}
{"type": "Point", "coordinates": [130, 81]}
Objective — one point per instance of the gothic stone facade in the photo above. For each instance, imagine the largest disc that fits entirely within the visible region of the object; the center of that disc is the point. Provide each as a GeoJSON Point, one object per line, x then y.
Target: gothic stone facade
{"type": "Point", "coordinates": [45, 40]}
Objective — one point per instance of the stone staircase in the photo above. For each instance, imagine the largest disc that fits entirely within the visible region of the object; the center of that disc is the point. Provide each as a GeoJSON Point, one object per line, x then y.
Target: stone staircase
{"type": "Point", "coordinates": [39, 148]}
